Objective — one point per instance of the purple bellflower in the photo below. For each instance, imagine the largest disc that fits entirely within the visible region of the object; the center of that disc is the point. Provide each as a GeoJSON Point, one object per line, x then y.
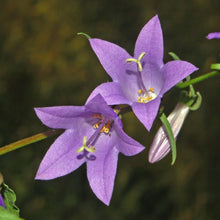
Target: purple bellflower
{"type": "Point", "coordinates": [142, 80]}
{"type": "Point", "coordinates": [161, 145]}
{"type": "Point", "coordinates": [93, 134]}
{"type": "Point", "coordinates": [214, 35]}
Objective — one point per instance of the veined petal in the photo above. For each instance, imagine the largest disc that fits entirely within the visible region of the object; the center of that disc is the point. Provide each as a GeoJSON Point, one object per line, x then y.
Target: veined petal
{"type": "Point", "coordinates": [175, 71]}
{"type": "Point", "coordinates": [111, 92]}
{"type": "Point", "coordinates": [102, 171]}
{"type": "Point", "coordinates": [65, 117]}
{"type": "Point", "coordinates": [161, 145]}
{"type": "Point", "coordinates": [61, 158]}
{"type": "Point", "coordinates": [150, 41]}
{"type": "Point", "coordinates": [125, 144]}
{"type": "Point", "coordinates": [146, 112]}
{"type": "Point", "coordinates": [111, 56]}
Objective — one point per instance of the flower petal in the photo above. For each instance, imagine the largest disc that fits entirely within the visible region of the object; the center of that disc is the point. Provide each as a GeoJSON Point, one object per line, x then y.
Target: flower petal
{"type": "Point", "coordinates": [111, 92]}
{"type": "Point", "coordinates": [61, 158]}
{"type": "Point", "coordinates": [146, 113]}
{"type": "Point", "coordinates": [102, 171]}
{"type": "Point", "coordinates": [150, 41]}
{"type": "Point", "coordinates": [175, 71]}
{"type": "Point", "coordinates": [65, 117]}
{"type": "Point", "coordinates": [111, 56]}
{"type": "Point", "coordinates": [214, 35]}
{"type": "Point", "coordinates": [125, 144]}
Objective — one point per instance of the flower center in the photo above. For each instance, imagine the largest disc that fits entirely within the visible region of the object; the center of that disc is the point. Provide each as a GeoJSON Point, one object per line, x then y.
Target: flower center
{"type": "Point", "coordinates": [144, 96]}
{"type": "Point", "coordinates": [105, 125]}
{"type": "Point", "coordinates": [102, 126]}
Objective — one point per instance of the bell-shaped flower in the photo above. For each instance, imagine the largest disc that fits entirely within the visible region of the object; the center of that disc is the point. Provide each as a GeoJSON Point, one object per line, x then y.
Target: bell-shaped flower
{"type": "Point", "coordinates": [142, 80]}
{"type": "Point", "coordinates": [161, 145]}
{"type": "Point", "coordinates": [213, 35]}
{"type": "Point", "coordinates": [93, 134]}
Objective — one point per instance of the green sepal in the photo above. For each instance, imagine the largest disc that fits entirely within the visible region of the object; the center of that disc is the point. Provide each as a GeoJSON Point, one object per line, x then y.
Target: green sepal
{"type": "Point", "coordinates": [170, 135]}
{"type": "Point", "coordinates": [84, 34]}
{"type": "Point", "coordinates": [215, 66]}
{"type": "Point", "coordinates": [174, 56]}
{"type": "Point", "coordinates": [197, 103]}
{"type": "Point", "coordinates": [5, 214]}
{"type": "Point", "coordinates": [9, 198]}
{"type": "Point", "coordinates": [191, 99]}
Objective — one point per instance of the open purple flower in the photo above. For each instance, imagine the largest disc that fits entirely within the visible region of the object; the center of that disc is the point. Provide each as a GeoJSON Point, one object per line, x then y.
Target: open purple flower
{"type": "Point", "coordinates": [93, 134]}
{"type": "Point", "coordinates": [142, 80]}
{"type": "Point", "coordinates": [214, 35]}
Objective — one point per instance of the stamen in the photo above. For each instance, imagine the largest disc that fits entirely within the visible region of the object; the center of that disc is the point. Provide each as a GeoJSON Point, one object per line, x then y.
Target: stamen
{"type": "Point", "coordinates": [105, 128]}
{"type": "Point", "coordinates": [97, 116]}
{"type": "Point", "coordinates": [96, 125]}
{"type": "Point", "coordinates": [146, 96]}
{"type": "Point", "coordinates": [139, 91]}
{"type": "Point", "coordinates": [151, 89]}
{"type": "Point", "coordinates": [138, 61]}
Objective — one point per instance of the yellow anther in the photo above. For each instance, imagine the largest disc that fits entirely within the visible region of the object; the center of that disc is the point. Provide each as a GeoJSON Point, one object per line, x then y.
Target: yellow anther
{"type": "Point", "coordinates": [139, 99]}
{"type": "Point", "coordinates": [149, 98]}
{"type": "Point", "coordinates": [151, 89]}
{"type": "Point", "coordinates": [139, 91]}
{"type": "Point", "coordinates": [106, 130]}
{"type": "Point", "coordinates": [96, 125]}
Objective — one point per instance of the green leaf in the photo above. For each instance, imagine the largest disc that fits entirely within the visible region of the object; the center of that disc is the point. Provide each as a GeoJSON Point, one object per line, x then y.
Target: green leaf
{"type": "Point", "coordinates": [7, 215]}
{"type": "Point", "coordinates": [9, 199]}
{"type": "Point", "coordinates": [170, 135]}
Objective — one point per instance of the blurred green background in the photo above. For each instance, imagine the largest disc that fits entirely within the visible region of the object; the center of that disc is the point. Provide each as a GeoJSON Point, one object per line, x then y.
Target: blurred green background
{"type": "Point", "coordinates": [44, 63]}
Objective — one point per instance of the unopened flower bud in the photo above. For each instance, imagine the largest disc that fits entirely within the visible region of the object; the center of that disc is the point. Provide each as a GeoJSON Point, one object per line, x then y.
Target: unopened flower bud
{"type": "Point", "coordinates": [161, 145]}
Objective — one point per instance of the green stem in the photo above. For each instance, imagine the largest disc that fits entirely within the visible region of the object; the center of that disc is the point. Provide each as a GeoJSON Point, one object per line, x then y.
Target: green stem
{"type": "Point", "coordinates": [196, 80]}
{"type": "Point", "coordinates": [29, 140]}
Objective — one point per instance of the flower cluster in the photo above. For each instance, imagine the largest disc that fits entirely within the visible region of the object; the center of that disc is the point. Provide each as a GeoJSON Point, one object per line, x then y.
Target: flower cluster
{"type": "Point", "coordinates": [93, 133]}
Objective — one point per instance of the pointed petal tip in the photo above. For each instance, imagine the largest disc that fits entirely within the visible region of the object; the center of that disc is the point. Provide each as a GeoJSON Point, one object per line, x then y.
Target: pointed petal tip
{"type": "Point", "coordinates": [40, 176]}
{"type": "Point", "coordinates": [106, 201]}
{"type": "Point", "coordinates": [151, 160]}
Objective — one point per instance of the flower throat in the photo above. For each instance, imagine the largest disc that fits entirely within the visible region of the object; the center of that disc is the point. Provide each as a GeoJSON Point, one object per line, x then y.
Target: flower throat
{"type": "Point", "coordinates": [144, 95]}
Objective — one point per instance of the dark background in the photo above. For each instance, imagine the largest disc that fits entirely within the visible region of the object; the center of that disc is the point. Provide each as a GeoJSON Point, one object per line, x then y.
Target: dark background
{"type": "Point", "coordinates": [44, 63]}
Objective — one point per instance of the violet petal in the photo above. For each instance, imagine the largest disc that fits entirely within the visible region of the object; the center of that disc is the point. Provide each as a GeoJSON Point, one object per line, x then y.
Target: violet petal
{"type": "Point", "coordinates": [175, 71]}
{"type": "Point", "coordinates": [146, 112]}
{"type": "Point", "coordinates": [61, 158]}
{"type": "Point", "coordinates": [150, 41]}
{"type": "Point", "coordinates": [102, 171]}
